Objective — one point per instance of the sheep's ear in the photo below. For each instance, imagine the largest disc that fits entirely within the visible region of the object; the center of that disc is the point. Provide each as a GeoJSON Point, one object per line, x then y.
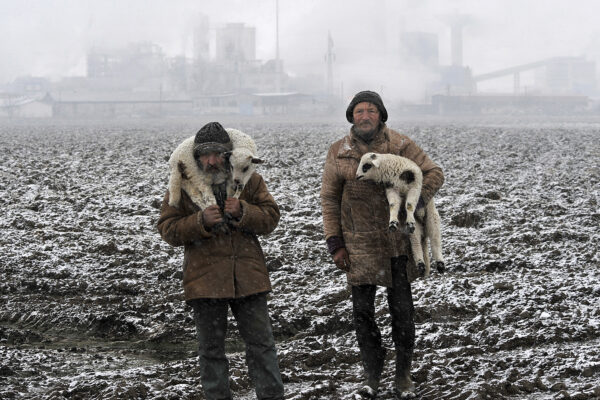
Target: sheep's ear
{"type": "Point", "coordinates": [375, 161]}
{"type": "Point", "coordinates": [256, 160]}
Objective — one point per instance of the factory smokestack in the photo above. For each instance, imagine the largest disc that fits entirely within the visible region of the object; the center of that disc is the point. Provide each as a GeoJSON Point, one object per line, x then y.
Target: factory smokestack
{"type": "Point", "coordinates": [457, 23]}
{"type": "Point", "coordinates": [456, 43]}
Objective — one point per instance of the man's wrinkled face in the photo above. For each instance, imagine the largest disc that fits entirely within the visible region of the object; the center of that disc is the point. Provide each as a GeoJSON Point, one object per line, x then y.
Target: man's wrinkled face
{"type": "Point", "coordinates": [212, 163]}
{"type": "Point", "coordinates": [366, 118]}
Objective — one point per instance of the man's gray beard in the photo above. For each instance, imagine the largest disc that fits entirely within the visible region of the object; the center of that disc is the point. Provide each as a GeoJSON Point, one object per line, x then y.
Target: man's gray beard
{"type": "Point", "coordinates": [366, 136]}
{"type": "Point", "coordinates": [219, 176]}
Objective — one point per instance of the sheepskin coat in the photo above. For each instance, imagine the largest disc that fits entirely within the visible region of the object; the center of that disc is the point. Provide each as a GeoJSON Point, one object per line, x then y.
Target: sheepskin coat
{"type": "Point", "coordinates": [358, 210]}
{"type": "Point", "coordinates": [218, 265]}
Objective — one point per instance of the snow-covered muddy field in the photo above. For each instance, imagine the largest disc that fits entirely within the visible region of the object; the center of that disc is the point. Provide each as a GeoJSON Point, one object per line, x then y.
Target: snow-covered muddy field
{"type": "Point", "coordinates": [90, 297]}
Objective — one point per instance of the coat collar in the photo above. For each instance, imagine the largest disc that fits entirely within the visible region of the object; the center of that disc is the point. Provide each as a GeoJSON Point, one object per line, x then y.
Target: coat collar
{"type": "Point", "coordinates": [354, 147]}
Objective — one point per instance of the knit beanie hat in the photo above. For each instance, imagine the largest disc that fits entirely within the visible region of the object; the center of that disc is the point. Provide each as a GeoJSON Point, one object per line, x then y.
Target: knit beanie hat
{"type": "Point", "coordinates": [212, 138]}
{"type": "Point", "coordinates": [369, 97]}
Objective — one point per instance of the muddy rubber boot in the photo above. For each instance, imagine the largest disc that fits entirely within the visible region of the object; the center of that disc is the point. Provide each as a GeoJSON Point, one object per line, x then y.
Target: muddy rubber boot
{"type": "Point", "coordinates": [404, 385]}
{"type": "Point", "coordinates": [366, 392]}
{"type": "Point", "coordinates": [373, 364]}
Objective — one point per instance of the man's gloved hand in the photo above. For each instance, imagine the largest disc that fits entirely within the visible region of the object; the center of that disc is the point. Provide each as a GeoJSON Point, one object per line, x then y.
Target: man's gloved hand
{"type": "Point", "coordinates": [341, 259]}
{"type": "Point", "coordinates": [211, 216]}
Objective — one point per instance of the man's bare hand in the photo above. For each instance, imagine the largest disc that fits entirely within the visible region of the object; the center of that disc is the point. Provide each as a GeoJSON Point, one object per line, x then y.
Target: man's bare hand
{"type": "Point", "coordinates": [233, 207]}
{"type": "Point", "coordinates": [211, 216]}
{"type": "Point", "coordinates": [341, 259]}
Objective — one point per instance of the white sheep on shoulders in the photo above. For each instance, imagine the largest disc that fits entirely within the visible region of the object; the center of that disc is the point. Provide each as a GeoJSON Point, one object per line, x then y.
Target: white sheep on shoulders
{"type": "Point", "coordinates": [403, 178]}
{"type": "Point", "coordinates": [187, 174]}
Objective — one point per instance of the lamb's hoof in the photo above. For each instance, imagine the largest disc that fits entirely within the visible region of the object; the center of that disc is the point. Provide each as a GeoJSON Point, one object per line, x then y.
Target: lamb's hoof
{"type": "Point", "coordinates": [393, 226]}
{"type": "Point", "coordinates": [421, 267]}
{"type": "Point", "coordinates": [440, 266]}
{"type": "Point", "coordinates": [410, 227]}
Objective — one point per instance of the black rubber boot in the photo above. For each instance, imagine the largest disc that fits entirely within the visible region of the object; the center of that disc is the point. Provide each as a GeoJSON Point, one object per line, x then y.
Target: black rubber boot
{"type": "Point", "coordinates": [373, 363]}
{"type": "Point", "coordinates": [404, 385]}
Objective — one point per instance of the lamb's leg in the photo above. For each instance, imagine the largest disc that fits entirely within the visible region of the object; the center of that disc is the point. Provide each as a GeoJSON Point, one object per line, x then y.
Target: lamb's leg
{"type": "Point", "coordinates": [433, 232]}
{"type": "Point", "coordinates": [232, 192]}
{"type": "Point", "coordinates": [426, 260]}
{"type": "Point", "coordinates": [394, 201]}
{"type": "Point", "coordinates": [417, 249]}
{"type": "Point", "coordinates": [174, 187]}
{"type": "Point", "coordinates": [202, 198]}
{"type": "Point", "coordinates": [412, 197]}
{"type": "Point", "coordinates": [232, 189]}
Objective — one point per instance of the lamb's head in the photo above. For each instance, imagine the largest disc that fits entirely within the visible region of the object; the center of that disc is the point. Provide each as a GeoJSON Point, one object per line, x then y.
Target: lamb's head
{"type": "Point", "coordinates": [243, 164]}
{"type": "Point", "coordinates": [390, 170]}
{"type": "Point", "coordinates": [368, 168]}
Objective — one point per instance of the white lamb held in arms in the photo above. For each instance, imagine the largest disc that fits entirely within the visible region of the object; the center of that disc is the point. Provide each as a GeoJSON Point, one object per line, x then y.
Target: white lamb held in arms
{"type": "Point", "coordinates": [403, 178]}
{"type": "Point", "coordinates": [186, 172]}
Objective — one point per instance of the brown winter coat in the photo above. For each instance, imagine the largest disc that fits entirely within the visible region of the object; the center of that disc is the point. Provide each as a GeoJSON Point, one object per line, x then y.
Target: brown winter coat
{"type": "Point", "coordinates": [358, 211]}
{"type": "Point", "coordinates": [217, 265]}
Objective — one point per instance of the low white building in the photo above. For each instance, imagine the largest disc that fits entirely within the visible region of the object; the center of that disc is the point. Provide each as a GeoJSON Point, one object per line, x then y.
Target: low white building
{"type": "Point", "coordinates": [26, 106]}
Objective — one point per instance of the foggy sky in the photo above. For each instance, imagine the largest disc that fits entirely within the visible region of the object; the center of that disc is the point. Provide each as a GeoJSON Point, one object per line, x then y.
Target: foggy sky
{"type": "Point", "coordinates": [51, 37]}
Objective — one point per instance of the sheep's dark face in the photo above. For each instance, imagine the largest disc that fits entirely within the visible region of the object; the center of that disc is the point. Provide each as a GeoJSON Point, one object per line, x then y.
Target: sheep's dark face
{"type": "Point", "coordinates": [367, 167]}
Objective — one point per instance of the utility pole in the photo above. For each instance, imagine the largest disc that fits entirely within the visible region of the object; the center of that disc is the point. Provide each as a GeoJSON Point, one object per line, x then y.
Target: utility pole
{"type": "Point", "coordinates": [277, 61]}
{"type": "Point", "coordinates": [329, 57]}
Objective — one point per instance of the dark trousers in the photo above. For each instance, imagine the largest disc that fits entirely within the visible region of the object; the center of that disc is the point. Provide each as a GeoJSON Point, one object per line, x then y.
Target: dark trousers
{"type": "Point", "coordinates": [401, 308]}
{"type": "Point", "coordinates": [253, 321]}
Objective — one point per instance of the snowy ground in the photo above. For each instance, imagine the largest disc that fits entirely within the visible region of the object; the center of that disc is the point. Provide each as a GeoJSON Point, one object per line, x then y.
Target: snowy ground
{"type": "Point", "coordinates": [91, 304]}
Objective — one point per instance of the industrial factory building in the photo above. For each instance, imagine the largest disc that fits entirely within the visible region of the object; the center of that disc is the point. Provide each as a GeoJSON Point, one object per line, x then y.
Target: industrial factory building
{"type": "Point", "coordinates": [223, 76]}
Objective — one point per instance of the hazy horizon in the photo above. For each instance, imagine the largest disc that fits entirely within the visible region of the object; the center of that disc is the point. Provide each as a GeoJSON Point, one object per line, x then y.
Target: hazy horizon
{"type": "Point", "coordinates": [52, 38]}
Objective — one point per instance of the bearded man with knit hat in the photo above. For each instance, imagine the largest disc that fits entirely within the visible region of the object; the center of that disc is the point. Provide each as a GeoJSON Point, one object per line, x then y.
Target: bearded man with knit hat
{"type": "Point", "coordinates": [355, 219]}
{"type": "Point", "coordinates": [225, 269]}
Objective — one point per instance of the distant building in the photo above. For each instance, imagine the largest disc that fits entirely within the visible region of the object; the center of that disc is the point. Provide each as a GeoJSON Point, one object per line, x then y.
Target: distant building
{"type": "Point", "coordinates": [30, 85]}
{"type": "Point", "coordinates": [254, 103]}
{"type": "Point", "coordinates": [26, 106]}
{"type": "Point", "coordinates": [567, 75]}
{"type": "Point", "coordinates": [456, 79]}
{"type": "Point", "coordinates": [130, 67]}
{"type": "Point", "coordinates": [509, 104]}
{"type": "Point", "coordinates": [120, 105]}
{"type": "Point", "coordinates": [201, 39]}
{"type": "Point", "coordinates": [235, 43]}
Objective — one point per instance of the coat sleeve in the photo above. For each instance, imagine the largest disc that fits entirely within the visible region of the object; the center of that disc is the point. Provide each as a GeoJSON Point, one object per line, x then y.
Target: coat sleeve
{"type": "Point", "coordinates": [260, 213]}
{"type": "Point", "coordinates": [179, 227]}
{"type": "Point", "coordinates": [433, 177]}
{"type": "Point", "coordinates": [332, 186]}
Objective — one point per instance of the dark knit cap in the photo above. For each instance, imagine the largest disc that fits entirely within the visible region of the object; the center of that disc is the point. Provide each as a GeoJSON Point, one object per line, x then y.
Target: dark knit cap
{"type": "Point", "coordinates": [369, 97]}
{"type": "Point", "coordinates": [212, 138]}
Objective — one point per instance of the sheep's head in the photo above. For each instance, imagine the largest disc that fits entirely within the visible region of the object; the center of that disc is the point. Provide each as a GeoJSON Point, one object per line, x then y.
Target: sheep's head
{"type": "Point", "coordinates": [242, 164]}
{"type": "Point", "coordinates": [367, 169]}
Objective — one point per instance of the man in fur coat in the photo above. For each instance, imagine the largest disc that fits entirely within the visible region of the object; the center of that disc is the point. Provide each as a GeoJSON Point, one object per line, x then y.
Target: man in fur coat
{"type": "Point", "coordinates": [355, 218]}
{"type": "Point", "coordinates": [226, 269]}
